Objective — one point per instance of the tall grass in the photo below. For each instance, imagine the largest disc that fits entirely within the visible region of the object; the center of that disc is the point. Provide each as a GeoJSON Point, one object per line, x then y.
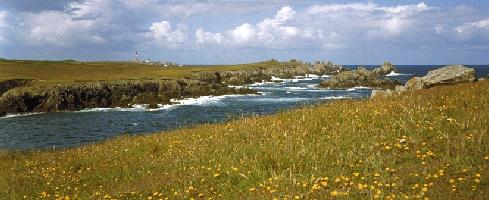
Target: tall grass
{"type": "Point", "coordinates": [430, 143]}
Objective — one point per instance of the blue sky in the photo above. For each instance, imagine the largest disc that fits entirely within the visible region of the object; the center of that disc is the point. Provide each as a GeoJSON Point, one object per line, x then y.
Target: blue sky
{"type": "Point", "coordinates": [224, 32]}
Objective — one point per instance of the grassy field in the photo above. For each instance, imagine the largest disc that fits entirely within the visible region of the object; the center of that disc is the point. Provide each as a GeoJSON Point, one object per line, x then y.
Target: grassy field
{"type": "Point", "coordinates": [56, 72]}
{"type": "Point", "coordinates": [430, 143]}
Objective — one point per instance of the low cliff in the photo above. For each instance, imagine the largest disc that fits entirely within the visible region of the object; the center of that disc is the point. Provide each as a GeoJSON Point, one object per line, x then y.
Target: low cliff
{"type": "Point", "coordinates": [361, 77]}
{"type": "Point", "coordinates": [283, 70]}
{"type": "Point", "coordinates": [77, 96]}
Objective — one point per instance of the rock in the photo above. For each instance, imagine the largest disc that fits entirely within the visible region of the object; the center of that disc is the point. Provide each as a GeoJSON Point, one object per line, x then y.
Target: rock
{"type": "Point", "coordinates": [399, 89]}
{"type": "Point", "coordinates": [77, 96]}
{"type": "Point", "coordinates": [328, 67]}
{"type": "Point", "coordinates": [356, 78]}
{"type": "Point", "coordinates": [449, 75]}
{"type": "Point", "coordinates": [10, 84]}
{"type": "Point", "coordinates": [208, 77]}
{"type": "Point", "coordinates": [385, 69]}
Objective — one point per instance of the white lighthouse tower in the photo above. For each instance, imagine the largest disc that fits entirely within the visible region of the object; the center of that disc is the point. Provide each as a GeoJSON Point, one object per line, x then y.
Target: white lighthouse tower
{"type": "Point", "coordinates": [137, 56]}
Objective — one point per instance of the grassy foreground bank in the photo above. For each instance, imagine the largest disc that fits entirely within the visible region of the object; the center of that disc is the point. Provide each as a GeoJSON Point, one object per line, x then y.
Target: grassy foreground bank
{"type": "Point", "coordinates": [430, 143]}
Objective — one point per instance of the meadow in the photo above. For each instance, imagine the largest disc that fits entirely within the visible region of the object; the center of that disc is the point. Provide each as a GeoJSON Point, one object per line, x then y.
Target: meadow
{"type": "Point", "coordinates": [63, 72]}
{"type": "Point", "coordinates": [424, 144]}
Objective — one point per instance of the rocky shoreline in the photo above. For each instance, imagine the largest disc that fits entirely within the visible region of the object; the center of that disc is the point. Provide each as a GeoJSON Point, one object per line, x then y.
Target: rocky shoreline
{"type": "Point", "coordinates": [363, 77]}
{"type": "Point", "coordinates": [285, 70]}
{"type": "Point", "coordinates": [78, 96]}
{"type": "Point", "coordinates": [19, 96]}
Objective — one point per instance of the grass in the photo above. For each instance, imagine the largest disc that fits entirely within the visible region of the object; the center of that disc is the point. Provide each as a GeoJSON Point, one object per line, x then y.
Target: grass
{"type": "Point", "coordinates": [430, 143]}
{"type": "Point", "coordinates": [60, 72]}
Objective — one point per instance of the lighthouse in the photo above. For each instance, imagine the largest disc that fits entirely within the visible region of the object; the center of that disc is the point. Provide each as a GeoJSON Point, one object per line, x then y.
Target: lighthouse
{"type": "Point", "coordinates": [137, 56]}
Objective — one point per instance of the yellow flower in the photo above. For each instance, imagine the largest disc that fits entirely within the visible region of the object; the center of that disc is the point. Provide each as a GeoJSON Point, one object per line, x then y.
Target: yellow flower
{"type": "Point", "coordinates": [323, 183]}
{"type": "Point", "coordinates": [44, 194]}
{"type": "Point", "coordinates": [425, 189]}
{"type": "Point", "coordinates": [216, 174]}
{"type": "Point", "coordinates": [333, 193]}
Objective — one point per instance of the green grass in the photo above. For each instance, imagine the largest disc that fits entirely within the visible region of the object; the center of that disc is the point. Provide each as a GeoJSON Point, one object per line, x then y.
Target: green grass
{"type": "Point", "coordinates": [59, 72]}
{"type": "Point", "coordinates": [430, 143]}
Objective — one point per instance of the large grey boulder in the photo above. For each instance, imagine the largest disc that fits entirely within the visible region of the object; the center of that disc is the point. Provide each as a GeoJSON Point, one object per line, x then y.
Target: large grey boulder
{"type": "Point", "coordinates": [449, 75]}
{"type": "Point", "coordinates": [385, 69]}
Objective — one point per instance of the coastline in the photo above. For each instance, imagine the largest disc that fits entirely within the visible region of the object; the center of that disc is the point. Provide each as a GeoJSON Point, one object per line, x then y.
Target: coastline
{"type": "Point", "coordinates": [34, 94]}
{"type": "Point", "coordinates": [315, 142]}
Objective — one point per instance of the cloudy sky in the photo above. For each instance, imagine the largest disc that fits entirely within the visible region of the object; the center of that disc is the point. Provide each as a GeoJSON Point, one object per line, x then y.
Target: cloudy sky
{"type": "Point", "coordinates": [220, 32]}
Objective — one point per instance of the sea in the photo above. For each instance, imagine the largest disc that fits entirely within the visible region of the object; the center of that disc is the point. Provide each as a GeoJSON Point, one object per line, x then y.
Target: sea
{"type": "Point", "coordinates": [34, 131]}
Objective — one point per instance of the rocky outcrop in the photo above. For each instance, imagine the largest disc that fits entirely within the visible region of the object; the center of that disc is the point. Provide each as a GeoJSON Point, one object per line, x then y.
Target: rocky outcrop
{"type": "Point", "coordinates": [10, 84]}
{"type": "Point", "coordinates": [449, 75]}
{"type": "Point", "coordinates": [328, 67]}
{"type": "Point", "coordinates": [253, 75]}
{"type": "Point", "coordinates": [78, 96]}
{"type": "Point", "coordinates": [359, 77]}
{"type": "Point", "coordinates": [284, 70]}
{"type": "Point", "coordinates": [385, 69]}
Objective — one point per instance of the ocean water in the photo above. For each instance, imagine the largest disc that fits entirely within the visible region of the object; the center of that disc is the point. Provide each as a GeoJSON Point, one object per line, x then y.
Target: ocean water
{"type": "Point", "coordinates": [69, 129]}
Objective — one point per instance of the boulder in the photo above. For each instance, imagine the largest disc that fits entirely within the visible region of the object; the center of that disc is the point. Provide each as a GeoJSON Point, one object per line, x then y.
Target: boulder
{"type": "Point", "coordinates": [449, 75]}
{"type": "Point", "coordinates": [385, 69]}
{"type": "Point", "coordinates": [356, 78]}
{"type": "Point", "coordinates": [388, 92]}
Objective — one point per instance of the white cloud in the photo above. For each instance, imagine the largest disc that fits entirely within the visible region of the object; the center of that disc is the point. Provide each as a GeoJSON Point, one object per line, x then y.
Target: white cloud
{"type": "Point", "coordinates": [379, 21]}
{"type": "Point", "coordinates": [270, 31]}
{"type": "Point", "coordinates": [58, 29]}
{"type": "Point", "coordinates": [208, 37]}
{"type": "Point", "coordinates": [325, 26]}
{"type": "Point", "coordinates": [163, 34]}
{"type": "Point", "coordinates": [243, 33]}
{"type": "Point", "coordinates": [89, 9]}
{"type": "Point", "coordinates": [473, 26]}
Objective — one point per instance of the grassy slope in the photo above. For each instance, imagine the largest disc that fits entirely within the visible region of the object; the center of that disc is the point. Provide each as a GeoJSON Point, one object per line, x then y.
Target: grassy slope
{"type": "Point", "coordinates": [429, 143]}
{"type": "Point", "coordinates": [54, 72]}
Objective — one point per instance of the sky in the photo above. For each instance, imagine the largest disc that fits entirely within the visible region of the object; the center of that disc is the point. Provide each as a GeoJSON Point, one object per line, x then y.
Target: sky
{"type": "Point", "coordinates": [231, 31]}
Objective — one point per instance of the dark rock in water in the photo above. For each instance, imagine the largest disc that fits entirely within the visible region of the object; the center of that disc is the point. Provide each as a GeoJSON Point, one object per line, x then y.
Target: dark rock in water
{"type": "Point", "coordinates": [79, 96]}
{"type": "Point", "coordinates": [449, 75]}
{"type": "Point", "coordinates": [356, 78]}
{"type": "Point", "coordinates": [385, 69]}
